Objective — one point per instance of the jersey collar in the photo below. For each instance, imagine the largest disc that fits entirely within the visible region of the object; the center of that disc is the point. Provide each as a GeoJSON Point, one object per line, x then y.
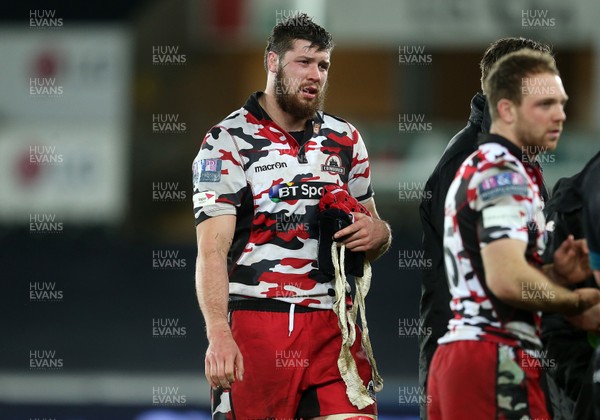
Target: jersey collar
{"type": "Point", "coordinates": [253, 106]}
{"type": "Point", "coordinates": [495, 138]}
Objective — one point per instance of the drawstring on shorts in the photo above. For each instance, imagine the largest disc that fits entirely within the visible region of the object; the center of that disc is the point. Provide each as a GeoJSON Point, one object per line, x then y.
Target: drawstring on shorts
{"type": "Point", "coordinates": [291, 320]}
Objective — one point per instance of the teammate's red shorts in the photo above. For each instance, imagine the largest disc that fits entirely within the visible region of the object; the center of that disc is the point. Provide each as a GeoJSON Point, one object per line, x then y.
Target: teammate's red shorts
{"type": "Point", "coordinates": [484, 380]}
{"type": "Point", "coordinates": [289, 376]}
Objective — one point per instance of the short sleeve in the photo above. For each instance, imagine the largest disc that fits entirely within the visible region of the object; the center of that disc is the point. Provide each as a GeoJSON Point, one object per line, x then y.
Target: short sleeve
{"type": "Point", "coordinates": [359, 181]}
{"type": "Point", "coordinates": [504, 202]}
{"type": "Point", "coordinates": [219, 181]}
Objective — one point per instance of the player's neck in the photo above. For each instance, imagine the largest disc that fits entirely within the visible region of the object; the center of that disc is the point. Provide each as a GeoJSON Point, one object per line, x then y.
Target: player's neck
{"type": "Point", "coordinates": [283, 119]}
{"type": "Point", "coordinates": [506, 132]}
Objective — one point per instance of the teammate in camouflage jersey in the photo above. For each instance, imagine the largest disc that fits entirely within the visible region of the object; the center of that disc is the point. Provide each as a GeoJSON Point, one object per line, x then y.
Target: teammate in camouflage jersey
{"type": "Point", "coordinates": [486, 365]}
{"type": "Point", "coordinates": [273, 339]}
{"type": "Point", "coordinates": [433, 308]}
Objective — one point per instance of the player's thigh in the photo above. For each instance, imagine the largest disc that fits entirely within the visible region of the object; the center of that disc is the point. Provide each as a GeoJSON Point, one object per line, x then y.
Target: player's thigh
{"type": "Point", "coordinates": [274, 365]}
{"type": "Point", "coordinates": [327, 392]}
{"type": "Point", "coordinates": [463, 381]}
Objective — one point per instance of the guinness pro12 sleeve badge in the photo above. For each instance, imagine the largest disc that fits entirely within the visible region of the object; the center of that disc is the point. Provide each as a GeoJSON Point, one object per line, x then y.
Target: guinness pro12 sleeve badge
{"type": "Point", "coordinates": [207, 170]}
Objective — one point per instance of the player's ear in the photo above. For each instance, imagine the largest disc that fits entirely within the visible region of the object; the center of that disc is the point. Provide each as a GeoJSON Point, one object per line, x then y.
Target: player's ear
{"type": "Point", "coordinates": [272, 61]}
{"type": "Point", "coordinates": [506, 110]}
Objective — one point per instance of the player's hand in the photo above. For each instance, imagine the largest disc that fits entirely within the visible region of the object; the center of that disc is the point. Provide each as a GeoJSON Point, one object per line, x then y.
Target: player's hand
{"type": "Point", "coordinates": [571, 261]}
{"type": "Point", "coordinates": [588, 320]}
{"type": "Point", "coordinates": [224, 363]}
{"type": "Point", "coordinates": [365, 234]}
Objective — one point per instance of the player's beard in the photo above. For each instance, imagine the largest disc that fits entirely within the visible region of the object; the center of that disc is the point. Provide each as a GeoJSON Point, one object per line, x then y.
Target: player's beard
{"type": "Point", "coordinates": [286, 95]}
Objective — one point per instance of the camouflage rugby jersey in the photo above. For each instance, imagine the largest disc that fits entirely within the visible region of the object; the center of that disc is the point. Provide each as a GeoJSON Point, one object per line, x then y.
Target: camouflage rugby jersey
{"type": "Point", "coordinates": [495, 195]}
{"type": "Point", "coordinates": [249, 167]}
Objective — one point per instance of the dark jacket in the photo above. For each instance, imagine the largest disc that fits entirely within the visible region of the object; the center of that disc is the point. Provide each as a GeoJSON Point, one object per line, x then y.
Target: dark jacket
{"type": "Point", "coordinates": [567, 346]}
{"type": "Point", "coordinates": [565, 211]}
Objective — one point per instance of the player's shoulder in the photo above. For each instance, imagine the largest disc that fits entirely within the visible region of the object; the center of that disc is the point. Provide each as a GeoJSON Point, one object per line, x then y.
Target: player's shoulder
{"type": "Point", "coordinates": [235, 119]}
{"type": "Point", "coordinates": [493, 164]}
{"type": "Point", "coordinates": [238, 124]}
{"type": "Point", "coordinates": [496, 154]}
{"type": "Point", "coordinates": [336, 123]}
{"type": "Point", "coordinates": [494, 147]}
{"type": "Point", "coordinates": [498, 172]}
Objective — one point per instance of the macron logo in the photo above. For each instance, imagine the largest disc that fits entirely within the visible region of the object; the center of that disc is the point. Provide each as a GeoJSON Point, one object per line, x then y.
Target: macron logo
{"type": "Point", "coordinates": [270, 167]}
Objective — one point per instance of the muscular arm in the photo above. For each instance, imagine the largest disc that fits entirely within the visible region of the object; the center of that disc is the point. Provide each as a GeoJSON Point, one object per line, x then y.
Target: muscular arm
{"type": "Point", "coordinates": [214, 238]}
{"type": "Point", "coordinates": [223, 357]}
{"type": "Point", "coordinates": [515, 282]}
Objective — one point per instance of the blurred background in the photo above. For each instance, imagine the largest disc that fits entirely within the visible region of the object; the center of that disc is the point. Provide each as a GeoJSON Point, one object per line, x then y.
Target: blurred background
{"type": "Point", "coordinates": [103, 106]}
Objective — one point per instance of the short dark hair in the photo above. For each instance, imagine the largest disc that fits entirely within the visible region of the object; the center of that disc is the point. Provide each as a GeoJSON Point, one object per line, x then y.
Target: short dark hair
{"type": "Point", "coordinates": [507, 76]}
{"type": "Point", "coordinates": [298, 26]}
{"type": "Point", "coordinates": [503, 46]}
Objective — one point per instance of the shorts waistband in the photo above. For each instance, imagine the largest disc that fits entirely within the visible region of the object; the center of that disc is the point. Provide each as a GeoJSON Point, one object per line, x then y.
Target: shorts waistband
{"type": "Point", "coordinates": [266, 305]}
